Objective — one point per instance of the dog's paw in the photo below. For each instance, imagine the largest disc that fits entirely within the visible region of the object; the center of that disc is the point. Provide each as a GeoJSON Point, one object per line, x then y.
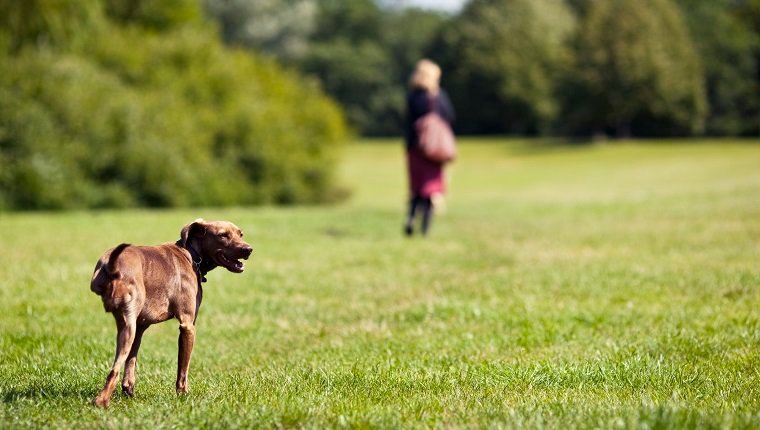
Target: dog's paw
{"type": "Point", "coordinates": [101, 402]}
{"type": "Point", "coordinates": [129, 390]}
{"type": "Point", "coordinates": [182, 386]}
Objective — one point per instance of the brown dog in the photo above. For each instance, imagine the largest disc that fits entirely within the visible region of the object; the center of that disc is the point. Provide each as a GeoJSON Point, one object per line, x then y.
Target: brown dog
{"type": "Point", "coordinates": [145, 285]}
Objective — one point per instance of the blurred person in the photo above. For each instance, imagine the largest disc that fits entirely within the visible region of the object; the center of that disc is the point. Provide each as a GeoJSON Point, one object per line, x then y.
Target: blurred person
{"type": "Point", "coordinates": [426, 177]}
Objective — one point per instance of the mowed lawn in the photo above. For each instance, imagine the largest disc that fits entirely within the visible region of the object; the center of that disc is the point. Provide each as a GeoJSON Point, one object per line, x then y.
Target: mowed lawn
{"type": "Point", "coordinates": [611, 286]}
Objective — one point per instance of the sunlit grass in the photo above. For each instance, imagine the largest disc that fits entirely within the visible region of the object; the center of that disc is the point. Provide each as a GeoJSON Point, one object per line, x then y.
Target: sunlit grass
{"type": "Point", "coordinates": [583, 286]}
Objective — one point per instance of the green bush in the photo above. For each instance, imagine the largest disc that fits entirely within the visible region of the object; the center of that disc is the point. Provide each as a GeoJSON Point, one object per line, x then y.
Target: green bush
{"type": "Point", "coordinates": [139, 117]}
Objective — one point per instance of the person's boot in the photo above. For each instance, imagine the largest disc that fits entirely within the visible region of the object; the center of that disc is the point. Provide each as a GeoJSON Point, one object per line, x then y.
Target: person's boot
{"type": "Point", "coordinates": [408, 229]}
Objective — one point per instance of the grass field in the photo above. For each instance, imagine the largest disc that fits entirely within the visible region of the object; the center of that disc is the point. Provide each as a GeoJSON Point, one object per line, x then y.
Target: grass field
{"type": "Point", "coordinates": [612, 286]}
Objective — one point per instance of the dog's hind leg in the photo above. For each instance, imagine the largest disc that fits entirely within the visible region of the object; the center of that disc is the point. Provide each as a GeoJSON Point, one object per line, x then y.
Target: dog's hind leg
{"type": "Point", "coordinates": [128, 383]}
{"type": "Point", "coordinates": [126, 325]}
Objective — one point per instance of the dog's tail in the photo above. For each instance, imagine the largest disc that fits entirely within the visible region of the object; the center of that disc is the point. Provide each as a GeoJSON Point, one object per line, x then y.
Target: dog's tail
{"type": "Point", "coordinates": [115, 290]}
{"type": "Point", "coordinates": [110, 267]}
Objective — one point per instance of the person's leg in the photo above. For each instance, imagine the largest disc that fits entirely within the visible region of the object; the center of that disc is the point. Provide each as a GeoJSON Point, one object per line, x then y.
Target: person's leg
{"type": "Point", "coordinates": [409, 226]}
{"type": "Point", "coordinates": [427, 212]}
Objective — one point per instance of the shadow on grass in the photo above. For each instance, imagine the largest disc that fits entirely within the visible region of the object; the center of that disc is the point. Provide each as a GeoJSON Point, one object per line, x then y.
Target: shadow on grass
{"type": "Point", "coordinates": [48, 392]}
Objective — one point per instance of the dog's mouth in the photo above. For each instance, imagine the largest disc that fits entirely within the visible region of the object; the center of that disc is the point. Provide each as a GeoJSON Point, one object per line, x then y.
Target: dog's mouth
{"type": "Point", "coordinates": [230, 263]}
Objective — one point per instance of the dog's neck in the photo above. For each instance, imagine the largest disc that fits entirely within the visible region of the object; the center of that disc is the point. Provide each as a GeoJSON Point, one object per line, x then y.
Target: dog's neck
{"type": "Point", "coordinates": [201, 265]}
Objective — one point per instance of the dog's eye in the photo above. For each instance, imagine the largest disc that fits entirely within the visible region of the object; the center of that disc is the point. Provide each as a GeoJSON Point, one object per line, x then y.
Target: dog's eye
{"type": "Point", "coordinates": [225, 235]}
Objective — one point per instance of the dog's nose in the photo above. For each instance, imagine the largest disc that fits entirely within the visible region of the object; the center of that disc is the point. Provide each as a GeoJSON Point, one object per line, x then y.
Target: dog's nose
{"type": "Point", "coordinates": [247, 251]}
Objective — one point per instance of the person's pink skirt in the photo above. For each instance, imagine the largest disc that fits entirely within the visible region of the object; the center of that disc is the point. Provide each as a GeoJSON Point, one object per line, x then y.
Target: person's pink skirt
{"type": "Point", "coordinates": [425, 176]}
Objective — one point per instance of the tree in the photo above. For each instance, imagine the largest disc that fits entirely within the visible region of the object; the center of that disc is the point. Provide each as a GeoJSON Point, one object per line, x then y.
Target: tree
{"type": "Point", "coordinates": [355, 74]}
{"type": "Point", "coordinates": [501, 61]}
{"type": "Point", "coordinates": [362, 54]}
{"type": "Point", "coordinates": [727, 53]}
{"type": "Point", "coordinates": [359, 52]}
{"type": "Point", "coordinates": [637, 71]}
{"type": "Point", "coordinates": [275, 27]}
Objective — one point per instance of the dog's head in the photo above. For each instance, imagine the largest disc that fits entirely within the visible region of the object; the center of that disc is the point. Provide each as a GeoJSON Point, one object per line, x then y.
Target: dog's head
{"type": "Point", "coordinates": [219, 243]}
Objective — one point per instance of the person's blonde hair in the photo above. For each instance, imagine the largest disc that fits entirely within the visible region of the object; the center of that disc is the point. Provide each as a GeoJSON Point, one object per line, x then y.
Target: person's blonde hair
{"type": "Point", "coordinates": [426, 76]}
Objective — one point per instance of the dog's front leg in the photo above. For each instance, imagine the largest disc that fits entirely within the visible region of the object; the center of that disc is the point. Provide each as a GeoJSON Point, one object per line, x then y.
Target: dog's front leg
{"type": "Point", "coordinates": [186, 341]}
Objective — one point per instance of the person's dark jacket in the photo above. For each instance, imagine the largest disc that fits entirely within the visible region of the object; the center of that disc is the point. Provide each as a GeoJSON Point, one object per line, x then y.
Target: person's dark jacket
{"type": "Point", "coordinates": [419, 103]}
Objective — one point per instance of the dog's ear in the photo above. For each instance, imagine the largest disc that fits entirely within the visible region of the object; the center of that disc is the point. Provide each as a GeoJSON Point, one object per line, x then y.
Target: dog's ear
{"type": "Point", "coordinates": [195, 227]}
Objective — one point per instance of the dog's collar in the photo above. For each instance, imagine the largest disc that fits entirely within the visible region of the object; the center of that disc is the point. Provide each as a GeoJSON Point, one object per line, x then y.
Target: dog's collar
{"type": "Point", "coordinates": [196, 260]}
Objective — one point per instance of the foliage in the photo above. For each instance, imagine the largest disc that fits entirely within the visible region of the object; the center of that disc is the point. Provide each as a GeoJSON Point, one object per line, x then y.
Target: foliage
{"type": "Point", "coordinates": [363, 60]}
{"type": "Point", "coordinates": [727, 52]}
{"type": "Point", "coordinates": [48, 23]}
{"type": "Point", "coordinates": [352, 47]}
{"type": "Point", "coordinates": [601, 286]}
{"type": "Point", "coordinates": [637, 71]}
{"type": "Point", "coordinates": [276, 27]}
{"type": "Point", "coordinates": [141, 116]}
{"type": "Point", "coordinates": [510, 69]}
{"type": "Point", "coordinates": [503, 60]}
{"type": "Point", "coordinates": [155, 15]}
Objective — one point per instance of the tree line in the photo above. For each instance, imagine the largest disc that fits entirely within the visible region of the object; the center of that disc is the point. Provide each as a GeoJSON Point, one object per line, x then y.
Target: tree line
{"type": "Point", "coordinates": [566, 67]}
{"type": "Point", "coordinates": [121, 103]}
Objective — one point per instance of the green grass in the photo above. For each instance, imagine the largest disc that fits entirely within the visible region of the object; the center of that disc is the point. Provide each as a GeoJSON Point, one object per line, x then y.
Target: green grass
{"type": "Point", "coordinates": [612, 286]}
